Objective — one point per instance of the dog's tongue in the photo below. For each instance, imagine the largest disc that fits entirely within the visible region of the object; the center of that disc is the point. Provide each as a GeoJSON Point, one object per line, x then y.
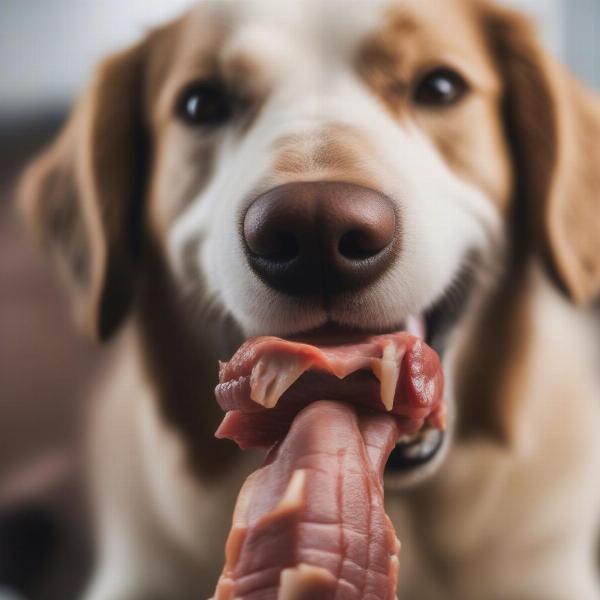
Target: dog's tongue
{"type": "Point", "coordinates": [311, 523]}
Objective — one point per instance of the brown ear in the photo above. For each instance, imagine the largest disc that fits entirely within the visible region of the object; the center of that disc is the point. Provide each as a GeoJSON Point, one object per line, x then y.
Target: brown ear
{"type": "Point", "coordinates": [554, 126]}
{"type": "Point", "coordinates": [83, 195]}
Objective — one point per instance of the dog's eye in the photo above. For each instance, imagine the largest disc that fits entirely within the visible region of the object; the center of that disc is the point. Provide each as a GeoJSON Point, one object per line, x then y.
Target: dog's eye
{"type": "Point", "coordinates": [440, 88]}
{"type": "Point", "coordinates": [204, 103]}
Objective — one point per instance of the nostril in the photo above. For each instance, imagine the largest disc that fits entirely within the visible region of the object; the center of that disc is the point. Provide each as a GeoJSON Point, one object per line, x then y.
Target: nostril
{"type": "Point", "coordinates": [359, 245]}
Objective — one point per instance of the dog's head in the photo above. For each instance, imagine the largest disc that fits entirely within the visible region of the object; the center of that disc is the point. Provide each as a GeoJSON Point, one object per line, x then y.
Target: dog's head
{"type": "Point", "coordinates": [325, 164]}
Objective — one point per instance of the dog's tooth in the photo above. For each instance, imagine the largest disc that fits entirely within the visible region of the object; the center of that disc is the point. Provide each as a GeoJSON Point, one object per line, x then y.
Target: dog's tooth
{"type": "Point", "coordinates": [415, 325]}
{"type": "Point", "coordinates": [388, 375]}
{"type": "Point", "coordinates": [273, 375]}
{"type": "Point", "coordinates": [408, 439]}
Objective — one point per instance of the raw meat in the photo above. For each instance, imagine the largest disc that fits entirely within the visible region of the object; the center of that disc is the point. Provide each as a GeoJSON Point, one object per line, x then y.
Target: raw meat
{"type": "Point", "coordinates": [310, 524]}
{"type": "Point", "coordinates": [269, 380]}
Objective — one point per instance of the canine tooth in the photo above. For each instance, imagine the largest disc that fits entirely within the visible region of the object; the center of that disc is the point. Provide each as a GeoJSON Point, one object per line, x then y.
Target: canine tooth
{"type": "Point", "coordinates": [388, 375]}
{"type": "Point", "coordinates": [415, 325]}
{"type": "Point", "coordinates": [272, 376]}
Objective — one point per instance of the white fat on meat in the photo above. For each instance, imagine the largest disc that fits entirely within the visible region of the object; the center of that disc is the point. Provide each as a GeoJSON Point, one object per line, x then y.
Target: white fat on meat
{"type": "Point", "coordinates": [306, 581]}
{"type": "Point", "coordinates": [387, 370]}
{"type": "Point", "coordinates": [273, 375]}
{"type": "Point", "coordinates": [275, 372]}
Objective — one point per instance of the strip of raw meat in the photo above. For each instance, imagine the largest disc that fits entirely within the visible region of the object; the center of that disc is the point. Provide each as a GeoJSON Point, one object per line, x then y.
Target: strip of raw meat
{"type": "Point", "coordinates": [311, 524]}
{"type": "Point", "coordinates": [269, 380]}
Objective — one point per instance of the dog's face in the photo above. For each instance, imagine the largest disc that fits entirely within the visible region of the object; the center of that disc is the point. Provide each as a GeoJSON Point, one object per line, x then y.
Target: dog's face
{"type": "Point", "coordinates": [324, 165]}
{"type": "Point", "coordinates": [401, 98]}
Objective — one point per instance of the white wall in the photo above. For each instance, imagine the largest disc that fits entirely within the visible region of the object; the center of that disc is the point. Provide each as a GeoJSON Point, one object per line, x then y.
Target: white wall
{"type": "Point", "coordinates": [47, 47]}
{"type": "Point", "coordinates": [583, 39]}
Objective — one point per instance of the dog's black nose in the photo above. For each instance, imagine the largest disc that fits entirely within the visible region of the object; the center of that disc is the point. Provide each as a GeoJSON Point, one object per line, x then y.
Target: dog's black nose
{"type": "Point", "coordinates": [320, 238]}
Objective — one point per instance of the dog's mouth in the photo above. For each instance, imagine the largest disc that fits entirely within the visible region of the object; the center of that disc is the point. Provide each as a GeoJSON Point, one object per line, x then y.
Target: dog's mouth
{"type": "Point", "coordinates": [416, 449]}
{"type": "Point", "coordinates": [270, 380]}
{"type": "Point", "coordinates": [435, 327]}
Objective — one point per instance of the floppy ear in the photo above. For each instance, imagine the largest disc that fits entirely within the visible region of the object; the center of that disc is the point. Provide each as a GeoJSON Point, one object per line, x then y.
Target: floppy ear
{"type": "Point", "coordinates": [83, 195]}
{"type": "Point", "coordinates": [553, 125]}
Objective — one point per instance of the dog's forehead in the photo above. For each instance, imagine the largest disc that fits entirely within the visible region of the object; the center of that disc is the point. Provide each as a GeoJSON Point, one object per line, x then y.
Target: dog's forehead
{"type": "Point", "coordinates": [307, 20]}
{"type": "Point", "coordinates": [329, 28]}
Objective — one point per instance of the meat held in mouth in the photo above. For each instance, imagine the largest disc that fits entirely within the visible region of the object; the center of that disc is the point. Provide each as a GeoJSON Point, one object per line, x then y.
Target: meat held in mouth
{"type": "Point", "coordinates": [310, 524]}
{"type": "Point", "coordinates": [269, 380]}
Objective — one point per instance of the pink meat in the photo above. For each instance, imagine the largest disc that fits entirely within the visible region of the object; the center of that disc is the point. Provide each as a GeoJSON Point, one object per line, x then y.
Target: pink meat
{"type": "Point", "coordinates": [350, 373]}
{"type": "Point", "coordinates": [311, 523]}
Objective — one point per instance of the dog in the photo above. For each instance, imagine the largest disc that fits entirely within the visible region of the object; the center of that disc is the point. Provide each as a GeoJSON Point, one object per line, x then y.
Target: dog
{"type": "Point", "coordinates": [486, 151]}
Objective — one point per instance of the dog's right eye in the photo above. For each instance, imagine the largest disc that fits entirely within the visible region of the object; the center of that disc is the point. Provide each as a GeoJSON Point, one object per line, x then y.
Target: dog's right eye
{"type": "Point", "coordinates": [204, 103]}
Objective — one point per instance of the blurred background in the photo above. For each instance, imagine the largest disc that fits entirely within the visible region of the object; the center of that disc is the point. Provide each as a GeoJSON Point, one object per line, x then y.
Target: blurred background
{"type": "Point", "coordinates": [47, 49]}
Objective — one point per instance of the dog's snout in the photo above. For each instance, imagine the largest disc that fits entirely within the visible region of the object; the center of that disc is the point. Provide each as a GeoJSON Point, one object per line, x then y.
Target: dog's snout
{"type": "Point", "coordinates": [320, 238]}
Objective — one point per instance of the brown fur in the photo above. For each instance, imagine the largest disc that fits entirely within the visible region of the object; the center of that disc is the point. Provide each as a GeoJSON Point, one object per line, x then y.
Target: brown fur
{"type": "Point", "coordinates": [338, 153]}
{"type": "Point", "coordinates": [104, 136]}
{"type": "Point", "coordinates": [536, 104]}
{"type": "Point", "coordinates": [554, 127]}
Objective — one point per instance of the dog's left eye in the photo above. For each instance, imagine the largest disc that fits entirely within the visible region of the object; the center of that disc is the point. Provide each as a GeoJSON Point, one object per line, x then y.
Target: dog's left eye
{"type": "Point", "coordinates": [204, 103]}
{"type": "Point", "coordinates": [440, 88]}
